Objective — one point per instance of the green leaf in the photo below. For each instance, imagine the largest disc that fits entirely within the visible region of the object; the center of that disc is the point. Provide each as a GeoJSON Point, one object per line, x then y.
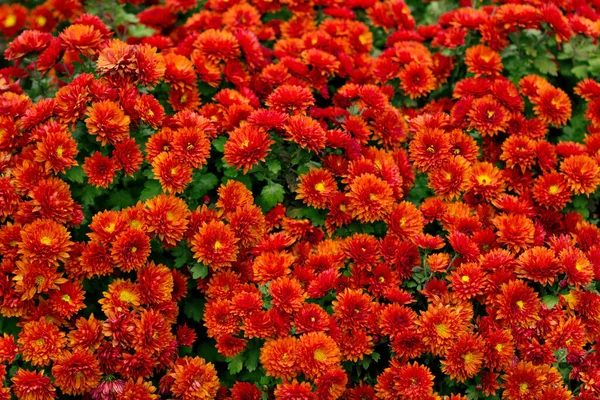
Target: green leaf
{"type": "Point", "coordinates": [120, 199]}
{"type": "Point", "coordinates": [182, 255]}
{"type": "Point", "coordinates": [202, 184]}
{"type": "Point", "coordinates": [274, 166]}
{"type": "Point", "coordinates": [140, 31]}
{"type": "Point", "coordinates": [219, 143]}
{"type": "Point", "coordinates": [546, 64]}
{"type": "Point", "coordinates": [271, 195]}
{"type": "Point", "coordinates": [236, 364]}
{"type": "Point", "coordinates": [252, 356]}
{"type": "Point", "coordinates": [89, 195]}
{"type": "Point", "coordinates": [152, 189]}
{"type": "Point", "coordinates": [580, 71]}
{"type": "Point", "coordinates": [199, 271]}
{"type": "Point", "coordinates": [194, 309]}
{"type": "Point", "coordinates": [75, 174]}
{"type": "Point", "coordinates": [550, 300]}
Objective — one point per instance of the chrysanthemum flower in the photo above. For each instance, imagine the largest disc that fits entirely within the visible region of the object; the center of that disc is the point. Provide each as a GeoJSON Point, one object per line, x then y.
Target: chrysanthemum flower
{"type": "Point", "coordinates": [247, 146]}
{"type": "Point", "coordinates": [41, 342]}
{"type": "Point", "coordinates": [577, 266]}
{"type": "Point", "coordinates": [280, 357]}
{"type": "Point", "coordinates": [317, 354]}
{"type": "Point", "coordinates": [518, 151]}
{"type": "Point", "coordinates": [316, 188]}
{"type": "Point", "coordinates": [117, 61]}
{"type": "Point", "coordinates": [8, 349]}
{"type": "Point", "coordinates": [45, 241]}
{"type": "Point", "coordinates": [179, 71]}
{"type": "Point", "coordinates": [271, 265]}
{"type": "Point", "coordinates": [410, 381]}
{"type": "Point", "coordinates": [139, 389]}
{"type": "Point", "coordinates": [522, 381]}
{"type": "Point", "coordinates": [121, 296]}
{"type": "Point", "coordinates": [416, 80]}
{"type": "Point", "coordinates": [32, 385]}
{"type": "Point", "coordinates": [245, 391]}
{"type": "Point", "coordinates": [539, 265]}
{"type": "Point", "coordinates": [127, 156]}
{"type": "Point", "coordinates": [130, 249]}
{"type": "Point", "coordinates": [582, 174]}
{"type": "Point", "coordinates": [552, 105]}
{"type": "Point", "coordinates": [467, 281]}
{"type": "Point", "coordinates": [57, 150]}
{"type": "Point", "coordinates": [515, 231]}
{"type": "Point", "coordinates": [464, 358]}
{"type": "Point", "coordinates": [331, 385]}
{"type": "Point", "coordinates": [290, 99]}
{"type": "Point", "coordinates": [29, 41]}
{"type": "Point", "coordinates": [287, 294]}
{"type": "Point", "coordinates": [499, 349]}
{"type": "Point", "coordinates": [517, 304]}
{"type": "Point", "coordinates": [449, 179]}
{"type": "Point", "coordinates": [481, 60]}
{"type": "Point", "coordinates": [80, 38]}
{"type": "Point", "coordinates": [191, 146]}
{"type": "Point", "coordinates": [152, 333]}
{"type": "Point", "coordinates": [439, 326]}
{"type": "Point", "coordinates": [294, 390]}
{"type": "Point", "coordinates": [352, 308]}
{"type": "Point", "coordinates": [150, 65]}
{"type": "Point", "coordinates": [215, 245]}
{"type": "Point", "coordinates": [156, 283]}
{"type": "Point", "coordinates": [68, 299]}
{"type": "Point", "coordinates": [167, 216]}
{"type": "Point", "coordinates": [306, 132]}
{"type": "Point", "coordinates": [87, 336]}
{"type": "Point", "coordinates": [174, 176]}
{"type": "Point", "coordinates": [429, 148]}
{"type": "Point", "coordinates": [107, 121]}
{"type": "Point", "coordinates": [552, 191]}
{"type": "Point", "coordinates": [76, 373]}
{"type": "Point", "coordinates": [100, 170]}
{"type": "Point", "coordinates": [371, 198]}
{"type": "Point", "coordinates": [488, 116]}
{"type": "Point", "coordinates": [217, 45]}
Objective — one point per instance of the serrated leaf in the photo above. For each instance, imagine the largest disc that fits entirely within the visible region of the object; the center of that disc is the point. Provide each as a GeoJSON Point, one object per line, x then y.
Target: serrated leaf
{"type": "Point", "coordinates": [194, 309]}
{"type": "Point", "coordinates": [199, 271]}
{"type": "Point", "coordinates": [152, 189]}
{"type": "Point", "coordinates": [252, 356]}
{"type": "Point", "coordinates": [89, 195]}
{"type": "Point", "coordinates": [120, 199]}
{"type": "Point", "coordinates": [274, 166]}
{"type": "Point", "coordinates": [140, 31]}
{"type": "Point", "coordinates": [219, 143]}
{"type": "Point", "coordinates": [75, 174]}
{"type": "Point", "coordinates": [182, 255]}
{"type": "Point", "coordinates": [271, 195]}
{"type": "Point", "coordinates": [202, 184]}
{"type": "Point", "coordinates": [236, 364]}
{"type": "Point", "coordinates": [545, 63]}
{"type": "Point", "coordinates": [550, 300]}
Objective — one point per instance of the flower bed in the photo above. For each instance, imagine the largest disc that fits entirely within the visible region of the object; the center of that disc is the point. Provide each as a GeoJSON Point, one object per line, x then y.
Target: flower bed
{"type": "Point", "coordinates": [299, 200]}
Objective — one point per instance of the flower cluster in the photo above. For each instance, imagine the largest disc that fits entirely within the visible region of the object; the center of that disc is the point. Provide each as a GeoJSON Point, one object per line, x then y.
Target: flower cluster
{"type": "Point", "coordinates": [319, 200]}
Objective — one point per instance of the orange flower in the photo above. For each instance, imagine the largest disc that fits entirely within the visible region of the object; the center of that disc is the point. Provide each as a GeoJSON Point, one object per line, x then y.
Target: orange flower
{"type": "Point", "coordinates": [522, 382]}
{"type": "Point", "coordinates": [179, 71]}
{"type": "Point", "coordinates": [140, 389]}
{"type": "Point", "coordinates": [156, 283]}
{"type": "Point", "coordinates": [8, 349]}
{"type": "Point", "coordinates": [191, 145]}
{"type": "Point", "coordinates": [41, 342]}
{"type": "Point", "coordinates": [416, 80]}
{"type": "Point", "coordinates": [100, 170]}
{"type": "Point", "coordinates": [481, 60]}
{"type": "Point", "coordinates": [409, 381]}
{"type": "Point", "coordinates": [167, 216]}
{"type": "Point", "coordinates": [517, 304]}
{"type": "Point", "coordinates": [486, 181]}
{"type": "Point", "coordinates": [317, 354]}
{"type": "Point", "coordinates": [467, 281]}
{"type": "Point", "coordinates": [488, 116]}
{"type": "Point", "coordinates": [270, 265]}
{"type": "Point", "coordinates": [247, 146]}
{"type": "Point", "coordinates": [76, 373]}
{"type": "Point", "coordinates": [108, 122]}
{"type": "Point", "coordinates": [80, 38]}
{"type": "Point", "coordinates": [352, 308]}
{"type": "Point", "coordinates": [150, 65]}
{"type": "Point", "coordinates": [582, 174]}
{"type": "Point", "coordinates": [306, 132]}
{"type": "Point", "coordinates": [429, 148]}
{"type": "Point", "coordinates": [552, 191]}
{"type": "Point", "coordinates": [130, 249]}
{"type": "Point", "coordinates": [194, 378]}
{"type": "Point", "coordinates": [153, 332]}
{"type": "Point", "coordinates": [232, 195]}
{"type": "Point", "coordinates": [440, 326]}
{"type": "Point", "coordinates": [280, 357]}
{"type": "Point", "coordinates": [539, 265]}
{"type": "Point", "coordinates": [515, 231]}
{"type": "Point", "coordinates": [287, 294]}
{"type": "Point", "coordinates": [552, 105]}
{"type": "Point", "coordinates": [45, 241]}
{"type": "Point", "coordinates": [449, 180]}
{"type": "Point", "coordinates": [290, 99]}
{"type": "Point", "coordinates": [32, 385]}
{"type": "Point", "coordinates": [122, 295]}
{"type": "Point", "coordinates": [316, 188]}
{"type": "Point", "coordinates": [217, 45]}
{"type": "Point", "coordinates": [464, 358]}
{"type": "Point", "coordinates": [215, 245]}
{"type": "Point", "coordinates": [173, 175]}
{"type": "Point", "coordinates": [117, 61]}
{"type": "Point", "coordinates": [577, 266]}
{"type": "Point", "coordinates": [371, 198]}
{"type": "Point", "coordinates": [87, 336]}
{"type": "Point", "coordinates": [57, 150]}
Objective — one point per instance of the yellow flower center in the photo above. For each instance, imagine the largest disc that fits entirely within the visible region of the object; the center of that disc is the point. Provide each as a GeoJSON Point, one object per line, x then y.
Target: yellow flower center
{"type": "Point", "coordinates": [441, 330]}
{"type": "Point", "coordinates": [465, 278]}
{"type": "Point", "coordinates": [110, 228]}
{"type": "Point", "coordinates": [468, 358]}
{"type": "Point", "coordinates": [133, 249]}
{"type": "Point", "coordinates": [66, 298]}
{"type": "Point", "coordinates": [483, 179]}
{"type": "Point", "coordinates": [521, 304]}
{"type": "Point", "coordinates": [245, 143]}
{"type": "Point", "coordinates": [490, 113]}
{"type": "Point", "coordinates": [218, 245]}
{"type": "Point", "coordinates": [499, 347]}
{"type": "Point", "coordinates": [46, 240]}
{"type": "Point", "coordinates": [190, 147]}
{"type": "Point", "coordinates": [431, 149]}
{"type": "Point", "coordinates": [372, 197]}
{"type": "Point", "coordinates": [364, 38]}
{"type": "Point", "coordinates": [553, 189]}
{"type": "Point", "coordinates": [39, 280]}
{"type": "Point", "coordinates": [343, 207]}
{"type": "Point", "coordinates": [174, 171]}
{"type": "Point", "coordinates": [381, 279]}
{"type": "Point", "coordinates": [523, 387]}
{"type": "Point", "coordinates": [127, 296]}
{"type": "Point", "coordinates": [59, 151]}
{"type": "Point", "coordinates": [10, 21]}
{"type": "Point", "coordinates": [320, 187]}
{"type": "Point", "coordinates": [319, 355]}
{"type": "Point", "coordinates": [41, 20]}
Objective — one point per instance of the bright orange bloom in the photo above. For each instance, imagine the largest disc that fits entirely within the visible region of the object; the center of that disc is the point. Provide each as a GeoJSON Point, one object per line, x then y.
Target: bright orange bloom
{"type": "Point", "coordinates": [107, 121]}
{"type": "Point", "coordinates": [416, 80]}
{"type": "Point", "coordinates": [467, 281]}
{"type": "Point", "coordinates": [152, 333]}
{"type": "Point", "coordinates": [41, 342]}
{"type": "Point", "coordinates": [539, 265]}
{"type": "Point", "coordinates": [290, 99]}
{"type": "Point", "coordinates": [57, 150]}
{"type": "Point", "coordinates": [577, 266]}
{"type": "Point", "coordinates": [215, 245]}
{"type": "Point", "coordinates": [440, 326]}
{"type": "Point", "coordinates": [45, 241]}
{"type": "Point", "coordinates": [173, 175]}
{"type": "Point", "coordinates": [122, 295]}
{"type": "Point", "coordinates": [316, 188]}
{"type": "Point", "coordinates": [80, 38]}
{"type": "Point", "coordinates": [481, 60]}
{"type": "Point", "coordinates": [552, 191]}
{"type": "Point", "coordinates": [306, 132]}
{"type": "Point", "coordinates": [410, 381]}
{"type": "Point", "coordinates": [194, 378]}
{"type": "Point", "coordinates": [32, 385]}
{"type": "Point", "coordinates": [522, 382]}
{"type": "Point", "coordinates": [294, 390]}
{"type": "Point", "coordinates": [429, 148]}
{"type": "Point", "coordinates": [8, 349]}
{"type": "Point", "coordinates": [552, 105]}
{"type": "Point", "coordinates": [76, 373]}
{"type": "Point", "coordinates": [232, 195]}
{"type": "Point", "coordinates": [464, 358]}
{"type": "Point", "coordinates": [117, 61]}
{"type": "Point", "coordinates": [371, 198]}
{"type": "Point", "coordinates": [270, 265]}
{"type": "Point", "coordinates": [167, 216]}
{"type": "Point", "coordinates": [352, 308]}
{"type": "Point", "coordinates": [449, 180]}
{"type": "Point", "coordinates": [317, 354]}
{"type": "Point", "coordinates": [582, 174]}
{"type": "Point", "coordinates": [517, 304]}
{"type": "Point", "coordinates": [150, 65]}
{"type": "Point", "coordinates": [280, 357]}
{"type": "Point", "coordinates": [217, 45]}
{"type": "Point", "coordinates": [515, 231]}
{"type": "Point", "coordinates": [488, 116]}
{"type": "Point", "coordinates": [87, 336]}
{"type": "Point", "coordinates": [247, 146]}
{"type": "Point", "coordinates": [191, 145]}
{"type": "Point", "coordinates": [140, 389]}
{"type": "Point", "coordinates": [100, 170]}
{"type": "Point", "coordinates": [130, 249]}
{"type": "Point", "coordinates": [287, 294]}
